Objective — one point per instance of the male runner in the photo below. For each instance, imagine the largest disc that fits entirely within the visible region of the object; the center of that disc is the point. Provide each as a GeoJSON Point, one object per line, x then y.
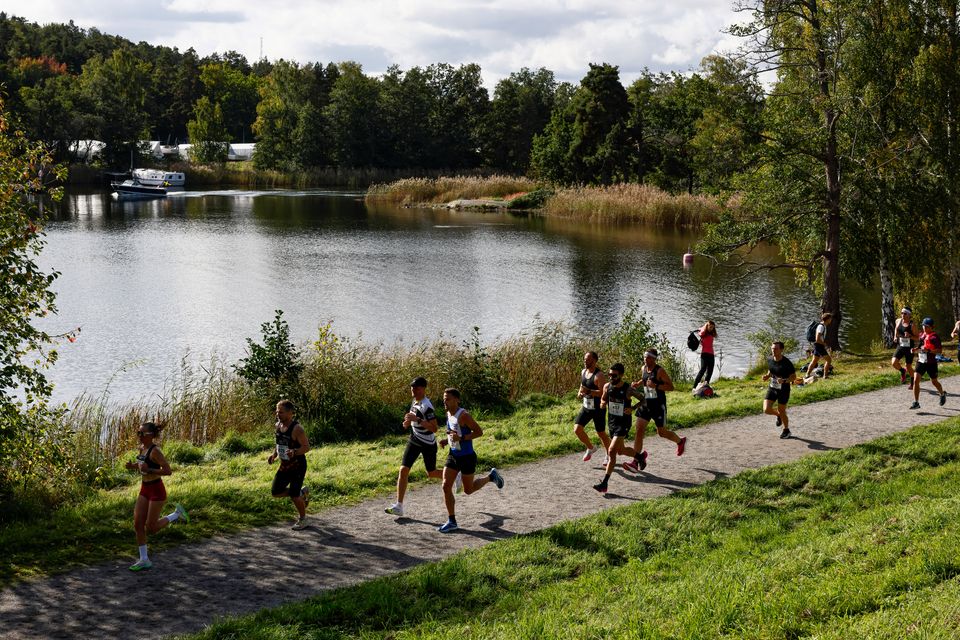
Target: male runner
{"type": "Point", "coordinates": [617, 400]}
{"type": "Point", "coordinates": [653, 384]}
{"type": "Point", "coordinates": [927, 350]}
{"type": "Point", "coordinates": [905, 334]}
{"type": "Point", "coordinates": [781, 374]}
{"type": "Point", "coordinates": [422, 422]}
{"type": "Point", "coordinates": [591, 388]}
{"type": "Point", "coordinates": [291, 448]}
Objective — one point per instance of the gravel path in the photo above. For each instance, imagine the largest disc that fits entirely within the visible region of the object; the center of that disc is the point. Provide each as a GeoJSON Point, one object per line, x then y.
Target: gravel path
{"type": "Point", "coordinates": [192, 585]}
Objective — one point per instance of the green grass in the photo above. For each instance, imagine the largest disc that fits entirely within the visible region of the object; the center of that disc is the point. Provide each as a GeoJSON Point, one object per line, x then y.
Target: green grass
{"type": "Point", "coordinates": [857, 543]}
{"type": "Point", "coordinates": [228, 492]}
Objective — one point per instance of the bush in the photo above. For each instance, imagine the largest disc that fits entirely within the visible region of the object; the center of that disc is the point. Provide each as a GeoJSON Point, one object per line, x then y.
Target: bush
{"type": "Point", "coordinates": [774, 329]}
{"type": "Point", "coordinates": [272, 368]}
{"type": "Point", "coordinates": [631, 338]}
{"type": "Point", "coordinates": [182, 452]}
{"type": "Point", "coordinates": [532, 200]}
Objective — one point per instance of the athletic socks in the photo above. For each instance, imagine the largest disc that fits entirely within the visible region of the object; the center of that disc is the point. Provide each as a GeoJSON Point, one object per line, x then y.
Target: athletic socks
{"type": "Point", "coordinates": [173, 517]}
{"type": "Point", "coordinates": [143, 553]}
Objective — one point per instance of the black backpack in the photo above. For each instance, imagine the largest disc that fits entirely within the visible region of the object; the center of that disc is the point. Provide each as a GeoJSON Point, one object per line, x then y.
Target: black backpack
{"type": "Point", "coordinates": [693, 340]}
{"type": "Point", "coordinates": [812, 331]}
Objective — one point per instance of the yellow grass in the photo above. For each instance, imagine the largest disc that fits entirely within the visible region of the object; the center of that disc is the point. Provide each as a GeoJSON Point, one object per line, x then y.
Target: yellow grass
{"type": "Point", "coordinates": [442, 190]}
{"type": "Point", "coordinates": [632, 203]}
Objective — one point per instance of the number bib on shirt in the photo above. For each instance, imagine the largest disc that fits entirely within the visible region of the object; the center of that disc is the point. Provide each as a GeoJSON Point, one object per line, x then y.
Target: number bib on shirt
{"type": "Point", "coordinates": [615, 408]}
{"type": "Point", "coordinates": [904, 342]}
{"type": "Point", "coordinates": [650, 393]}
{"type": "Point", "coordinates": [922, 357]}
{"type": "Point", "coordinates": [283, 451]}
{"type": "Point", "coordinates": [588, 402]}
{"type": "Point", "coordinates": [775, 384]}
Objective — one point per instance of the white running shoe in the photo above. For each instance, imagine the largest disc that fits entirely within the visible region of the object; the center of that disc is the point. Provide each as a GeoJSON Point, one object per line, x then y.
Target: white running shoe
{"type": "Point", "coordinates": [395, 510]}
{"type": "Point", "coordinates": [300, 524]}
{"type": "Point", "coordinates": [588, 454]}
{"type": "Point", "coordinates": [458, 483]}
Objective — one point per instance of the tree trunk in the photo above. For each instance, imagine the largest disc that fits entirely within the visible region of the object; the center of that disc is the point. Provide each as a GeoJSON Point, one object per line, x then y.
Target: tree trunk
{"type": "Point", "coordinates": [888, 316]}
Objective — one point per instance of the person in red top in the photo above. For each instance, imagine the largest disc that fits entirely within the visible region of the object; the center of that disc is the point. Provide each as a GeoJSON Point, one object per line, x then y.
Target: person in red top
{"type": "Point", "coordinates": [927, 352]}
{"type": "Point", "coordinates": [708, 333]}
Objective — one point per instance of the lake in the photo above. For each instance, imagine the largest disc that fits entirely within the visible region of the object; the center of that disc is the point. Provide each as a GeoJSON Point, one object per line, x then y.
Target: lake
{"type": "Point", "coordinates": [158, 283]}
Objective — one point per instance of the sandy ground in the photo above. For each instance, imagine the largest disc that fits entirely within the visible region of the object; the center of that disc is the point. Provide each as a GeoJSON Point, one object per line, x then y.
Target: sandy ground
{"type": "Point", "coordinates": [193, 585]}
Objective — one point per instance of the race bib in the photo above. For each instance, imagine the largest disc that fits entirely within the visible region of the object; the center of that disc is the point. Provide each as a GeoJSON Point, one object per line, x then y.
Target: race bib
{"type": "Point", "coordinates": [283, 451]}
{"type": "Point", "coordinates": [454, 445]}
{"type": "Point", "coordinates": [588, 402]}
{"type": "Point", "coordinates": [922, 357]}
{"type": "Point", "coordinates": [775, 384]}
{"type": "Point", "coordinates": [615, 408]}
{"type": "Point", "coordinates": [904, 342]}
{"type": "Point", "coordinates": [650, 393]}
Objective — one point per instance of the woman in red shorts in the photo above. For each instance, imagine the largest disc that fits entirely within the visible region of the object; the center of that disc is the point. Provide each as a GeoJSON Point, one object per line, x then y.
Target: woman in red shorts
{"type": "Point", "coordinates": [146, 515]}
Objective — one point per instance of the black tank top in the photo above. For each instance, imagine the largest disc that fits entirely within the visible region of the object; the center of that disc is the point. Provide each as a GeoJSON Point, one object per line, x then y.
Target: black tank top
{"type": "Point", "coordinates": [618, 395]}
{"type": "Point", "coordinates": [285, 441]}
{"type": "Point", "coordinates": [145, 457]}
{"type": "Point", "coordinates": [902, 331]}
{"type": "Point", "coordinates": [652, 375]}
{"type": "Point", "coordinates": [590, 382]}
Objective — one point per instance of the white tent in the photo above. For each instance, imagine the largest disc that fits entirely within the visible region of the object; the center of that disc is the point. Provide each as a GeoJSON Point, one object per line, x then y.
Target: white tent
{"type": "Point", "coordinates": [241, 151]}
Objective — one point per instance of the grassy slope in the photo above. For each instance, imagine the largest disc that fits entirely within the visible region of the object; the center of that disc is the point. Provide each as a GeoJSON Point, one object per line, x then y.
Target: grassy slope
{"type": "Point", "coordinates": [231, 492]}
{"type": "Point", "coordinates": [861, 542]}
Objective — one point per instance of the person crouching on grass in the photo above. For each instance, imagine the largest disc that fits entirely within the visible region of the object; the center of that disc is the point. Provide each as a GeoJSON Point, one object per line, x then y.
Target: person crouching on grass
{"type": "Point", "coordinates": [462, 430]}
{"type": "Point", "coordinates": [146, 514]}
{"type": "Point", "coordinates": [291, 449]}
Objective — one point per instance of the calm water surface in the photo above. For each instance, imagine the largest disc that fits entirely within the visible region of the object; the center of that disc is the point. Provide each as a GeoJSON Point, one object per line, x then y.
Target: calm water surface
{"type": "Point", "coordinates": [154, 284]}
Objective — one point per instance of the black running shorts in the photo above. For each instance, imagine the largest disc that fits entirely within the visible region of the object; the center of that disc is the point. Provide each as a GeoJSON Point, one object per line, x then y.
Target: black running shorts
{"type": "Point", "coordinates": [619, 426]}
{"type": "Point", "coordinates": [415, 449]}
{"type": "Point", "coordinates": [599, 417]}
{"type": "Point", "coordinates": [290, 474]}
{"type": "Point", "coordinates": [465, 464]}
{"type": "Point", "coordinates": [781, 395]}
{"type": "Point", "coordinates": [905, 354]}
{"type": "Point", "coordinates": [929, 367]}
{"type": "Point", "coordinates": [652, 410]}
{"type": "Point", "coordinates": [819, 349]}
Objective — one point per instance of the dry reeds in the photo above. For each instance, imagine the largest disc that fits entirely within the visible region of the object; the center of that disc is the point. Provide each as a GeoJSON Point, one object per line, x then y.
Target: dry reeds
{"type": "Point", "coordinates": [635, 203]}
{"type": "Point", "coordinates": [446, 189]}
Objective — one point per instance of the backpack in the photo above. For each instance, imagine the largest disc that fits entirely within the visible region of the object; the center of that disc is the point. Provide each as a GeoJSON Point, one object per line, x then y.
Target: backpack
{"type": "Point", "coordinates": [693, 341]}
{"type": "Point", "coordinates": [812, 331]}
{"type": "Point", "coordinates": [704, 392]}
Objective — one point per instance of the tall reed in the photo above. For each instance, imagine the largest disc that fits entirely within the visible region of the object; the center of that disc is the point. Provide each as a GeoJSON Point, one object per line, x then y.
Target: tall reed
{"type": "Point", "coordinates": [445, 189]}
{"type": "Point", "coordinates": [633, 203]}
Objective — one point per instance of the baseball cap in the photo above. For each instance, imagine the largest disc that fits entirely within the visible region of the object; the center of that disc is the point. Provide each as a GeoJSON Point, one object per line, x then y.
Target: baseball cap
{"type": "Point", "coordinates": [419, 382]}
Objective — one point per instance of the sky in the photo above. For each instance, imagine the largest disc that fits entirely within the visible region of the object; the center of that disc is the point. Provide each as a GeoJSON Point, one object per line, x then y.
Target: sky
{"type": "Point", "coordinates": [502, 36]}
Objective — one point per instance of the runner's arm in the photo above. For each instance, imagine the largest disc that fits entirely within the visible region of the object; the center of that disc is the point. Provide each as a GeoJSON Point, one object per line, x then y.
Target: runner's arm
{"type": "Point", "coordinates": [667, 385]}
{"type": "Point", "coordinates": [475, 430]}
{"type": "Point", "coordinates": [301, 437]}
{"type": "Point", "coordinates": [157, 456]}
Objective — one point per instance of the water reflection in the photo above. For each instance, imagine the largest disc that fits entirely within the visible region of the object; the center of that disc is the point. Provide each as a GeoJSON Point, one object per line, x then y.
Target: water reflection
{"type": "Point", "coordinates": [199, 272]}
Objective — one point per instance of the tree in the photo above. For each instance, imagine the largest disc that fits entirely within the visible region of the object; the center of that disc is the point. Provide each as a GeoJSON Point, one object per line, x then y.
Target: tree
{"type": "Point", "coordinates": [236, 94]}
{"type": "Point", "coordinates": [521, 108]}
{"type": "Point", "coordinates": [794, 195]}
{"type": "Point", "coordinates": [354, 118]}
{"type": "Point", "coordinates": [208, 134]}
{"type": "Point", "coordinates": [25, 296]}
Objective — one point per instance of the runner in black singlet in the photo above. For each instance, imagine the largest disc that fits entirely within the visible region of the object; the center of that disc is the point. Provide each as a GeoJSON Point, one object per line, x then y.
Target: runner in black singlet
{"type": "Point", "coordinates": [291, 448]}
{"type": "Point", "coordinates": [653, 384]}
{"type": "Point", "coordinates": [591, 388]}
{"type": "Point", "coordinates": [617, 400]}
{"type": "Point", "coordinates": [780, 375]}
{"type": "Point", "coordinates": [905, 334]}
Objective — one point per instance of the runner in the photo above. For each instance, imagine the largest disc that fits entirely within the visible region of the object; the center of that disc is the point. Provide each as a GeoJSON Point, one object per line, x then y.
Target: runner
{"type": "Point", "coordinates": [708, 333]}
{"type": "Point", "coordinates": [654, 382]}
{"type": "Point", "coordinates": [820, 347]}
{"type": "Point", "coordinates": [146, 514]}
{"type": "Point", "coordinates": [927, 352]}
{"type": "Point", "coordinates": [591, 388]}
{"type": "Point", "coordinates": [905, 334]}
{"type": "Point", "coordinates": [781, 373]}
{"type": "Point", "coordinates": [616, 399]}
{"type": "Point", "coordinates": [422, 422]}
{"type": "Point", "coordinates": [462, 430]}
{"type": "Point", "coordinates": [291, 449]}
{"type": "Point", "coordinates": [956, 334]}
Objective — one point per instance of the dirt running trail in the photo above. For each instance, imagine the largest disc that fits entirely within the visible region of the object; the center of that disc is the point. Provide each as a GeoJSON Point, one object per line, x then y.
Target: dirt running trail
{"type": "Point", "coordinates": [193, 585]}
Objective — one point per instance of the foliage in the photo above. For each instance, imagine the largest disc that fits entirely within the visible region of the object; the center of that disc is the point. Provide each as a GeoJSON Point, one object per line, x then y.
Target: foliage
{"type": "Point", "coordinates": [273, 368]}
{"type": "Point", "coordinates": [31, 442]}
{"type": "Point", "coordinates": [773, 331]}
{"type": "Point", "coordinates": [208, 134]}
{"type": "Point", "coordinates": [633, 335]}
{"type": "Point", "coordinates": [531, 200]}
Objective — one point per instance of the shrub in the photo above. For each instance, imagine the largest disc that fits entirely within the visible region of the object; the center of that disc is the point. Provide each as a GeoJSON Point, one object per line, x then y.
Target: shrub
{"type": "Point", "coordinates": [182, 452]}
{"type": "Point", "coordinates": [272, 368]}
{"type": "Point", "coordinates": [774, 329]}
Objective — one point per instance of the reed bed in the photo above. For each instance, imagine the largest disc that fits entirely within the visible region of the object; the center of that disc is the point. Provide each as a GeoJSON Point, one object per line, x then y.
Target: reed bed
{"type": "Point", "coordinates": [445, 189]}
{"type": "Point", "coordinates": [633, 203]}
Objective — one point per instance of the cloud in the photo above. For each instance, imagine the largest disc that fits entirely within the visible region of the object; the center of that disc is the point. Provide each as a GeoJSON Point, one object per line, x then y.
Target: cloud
{"type": "Point", "coordinates": [501, 35]}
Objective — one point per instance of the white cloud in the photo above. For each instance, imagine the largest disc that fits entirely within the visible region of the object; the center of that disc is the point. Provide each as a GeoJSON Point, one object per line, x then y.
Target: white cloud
{"type": "Point", "coordinates": [501, 35]}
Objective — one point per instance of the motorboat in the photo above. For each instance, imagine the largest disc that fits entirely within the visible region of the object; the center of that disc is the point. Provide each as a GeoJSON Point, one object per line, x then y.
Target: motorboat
{"type": "Point", "coordinates": [134, 190]}
{"type": "Point", "coordinates": [159, 178]}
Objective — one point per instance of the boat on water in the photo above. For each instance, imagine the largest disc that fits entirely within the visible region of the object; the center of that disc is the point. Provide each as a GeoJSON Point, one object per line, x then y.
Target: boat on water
{"type": "Point", "coordinates": [134, 190]}
{"type": "Point", "coordinates": [159, 178]}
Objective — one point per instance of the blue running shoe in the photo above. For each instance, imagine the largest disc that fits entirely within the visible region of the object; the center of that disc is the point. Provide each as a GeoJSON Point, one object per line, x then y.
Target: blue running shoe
{"type": "Point", "coordinates": [496, 478]}
{"type": "Point", "coordinates": [448, 527]}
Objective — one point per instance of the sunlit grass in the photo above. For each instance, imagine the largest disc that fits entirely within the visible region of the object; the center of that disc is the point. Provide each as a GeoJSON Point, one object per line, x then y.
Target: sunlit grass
{"type": "Point", "coordinates": [855, 543]}
{"type": "Point", "coordinates": [632, 203]}
{"type": "Point", "coordinates": [446, 189]}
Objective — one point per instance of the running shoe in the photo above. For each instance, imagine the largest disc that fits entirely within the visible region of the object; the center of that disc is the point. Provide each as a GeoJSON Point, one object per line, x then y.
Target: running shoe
{"type": "Point", "coordinates": [588, 454]}
{"type": "Point", "coordinates": [141, 565]}
{"type": "Point", "coordinates": [785, 434]}
{"type": "Point", "coordinates": [779, 422]}
{"type": "Point", "coordinates": [943, 398]}
{"type": "Point", "coordinates": [448, 526]}
{"type": "Point", "coordinates": [305, 494]}
{"type": "Point", "coordinates": [606, 460]}
{"type": "Point", "coordinates": [643, 460]}
{"type": "Point", "coordinates": [300, 524]}
{"type": "Point", "coordinates": [631, 465]}
{"type": "Point", "coordinates": [458, 483]}
{"type": "Point", "coordinates": [181, 513]}
{"type": "Point", "coordinates": [496, 478]}
{"type": "Point", "coordinates": [395, 510]}
{"type": "Point", "coordinates": [600, 487]}
{"type": "Point", "coordinates": [915, 405]}
{"type": "Point", "coordinates": [681, 446]}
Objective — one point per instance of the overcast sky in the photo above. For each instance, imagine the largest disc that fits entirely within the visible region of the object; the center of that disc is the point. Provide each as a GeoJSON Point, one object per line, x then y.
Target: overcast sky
{"type": "Point", "coordinates": [501, 35]}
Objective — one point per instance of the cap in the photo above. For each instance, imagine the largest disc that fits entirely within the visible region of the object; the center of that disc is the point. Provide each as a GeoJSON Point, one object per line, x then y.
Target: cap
{"type": "Point", "coordinates": [928, 322]}
{"type": "Point", "coordinates": [419, 382]}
